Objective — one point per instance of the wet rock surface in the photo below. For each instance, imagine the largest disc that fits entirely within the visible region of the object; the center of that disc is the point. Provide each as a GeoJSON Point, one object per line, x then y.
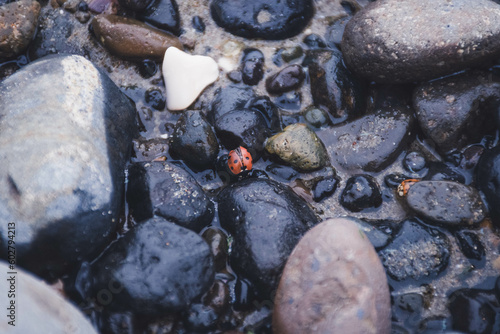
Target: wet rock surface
{"type": "Point", "coordinates": [162, 14]}
{"type": "Point", "coordinates": [45, 308]}
{"type": "Point", "coordinates": [261, 19]}
{"type": "Point", "coordinates": [488, 180]}
{"type": "Point", "coordinates": [299, 146]}
{"type": "Point", "coordinates": [369, 143]}
{"type": "Point", "coordinates": [333, 86]}
{"type": "Point", "coordinates": [266, 221]}
{"type": "Point", "coordinates": [414, 41]}
{"type": "Point", "coordinates": [194, 140]}
{"type": "Point", "coordinates": [156, 267]}
{"type": "Point", "coordinates": [451, 110]}
{"type": "Point", "coordinates": [252, 67]}
{"type": "Point", "coordinates": [169, 191]}
{"type": "Point", "coordinates": [446, 202]}
{"type": "Point", "coordinates": [65, 192]}
{"type": "Point", "coordinates": [289, 78]}
{"type": "Point", "coordinates": [416, 252]}
{"type": "Point", "coordinates": [17, 27]}
{"type": "Point", "coordinates": [361, 192]}
{"type": "Point", "coordinates": [333, 282]}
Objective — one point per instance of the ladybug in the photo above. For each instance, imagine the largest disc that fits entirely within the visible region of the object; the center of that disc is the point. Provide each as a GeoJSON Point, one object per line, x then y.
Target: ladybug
{"type": "Point", "coordinates": [405, 186]}
{"type": "Point", "coordinates": [239, 160]}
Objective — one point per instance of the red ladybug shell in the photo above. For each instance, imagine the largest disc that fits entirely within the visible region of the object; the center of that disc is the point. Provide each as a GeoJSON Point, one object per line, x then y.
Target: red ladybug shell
{"type": "Point", "coordinates": [239, 160]}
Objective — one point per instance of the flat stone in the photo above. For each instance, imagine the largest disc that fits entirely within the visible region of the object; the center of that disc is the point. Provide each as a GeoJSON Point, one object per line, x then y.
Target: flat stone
{"type": "Point", "coordinates": [186, 76]}
{"type": "Point", "coordinates": [333, 282]}
{"type": "Point", "coordinates": [447, 202]}
{"type": "Point", "coordinates": [38, 307]}
{"type": "Point", "coordinates": [62, 115]}
{"type": "Point", "coordinates": [406, 41]}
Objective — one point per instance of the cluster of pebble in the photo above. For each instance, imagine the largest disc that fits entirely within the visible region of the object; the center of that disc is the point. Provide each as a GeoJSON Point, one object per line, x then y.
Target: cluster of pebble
{"type": "Point", "coordinates": [373, 129]}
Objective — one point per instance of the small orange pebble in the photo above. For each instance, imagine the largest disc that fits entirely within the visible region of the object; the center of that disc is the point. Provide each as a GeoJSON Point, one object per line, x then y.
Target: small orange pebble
{"type": "Point", "coordinates": [405, 186]}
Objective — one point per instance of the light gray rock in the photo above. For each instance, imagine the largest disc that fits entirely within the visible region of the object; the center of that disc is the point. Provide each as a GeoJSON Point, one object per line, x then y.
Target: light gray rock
{"type": "Point", "coordinates": [37, 307]}
{"type": "Point", "coordinates": [333, 282]}
{"type": "Point", "coordinates": [65, 135]}
{"type": "Point", "coordinates": [405, 41]}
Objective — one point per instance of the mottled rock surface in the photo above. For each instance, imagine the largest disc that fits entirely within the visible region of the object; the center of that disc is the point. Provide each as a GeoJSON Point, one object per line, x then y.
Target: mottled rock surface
{"type": "Point", "coordinates": [38, 308]}
{"type": "Point", "coordinates": [74, 139]}
{"type": "Point", "coordinates": [333, 282]}
{"type": "Point", "coordinates": [446, 202]}
{"type": "Point", "coordinates": [299, 146]}
{"type": "Point", "coordinates": [450, 111]}
{"type": "Point", "coordinates": [156, 267]}
{"type": "Point", "coordinates": [266, 220]}
{"type": "Point", "coordinates": [405, 41]}
{"type": "Point", "coordinates": [17, 27]}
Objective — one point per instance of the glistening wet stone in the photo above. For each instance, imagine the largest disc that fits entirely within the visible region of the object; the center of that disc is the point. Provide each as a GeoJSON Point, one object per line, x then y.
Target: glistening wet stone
{"type": "Point", "coordinates": [287, 79]}
{"type": "Point", "coordinates": [450, 111]}
{"type": "Point", "coordinates": [361, 192]}
{"type": "Point", "coordinates": [65, 194]}
{"type": "Point", "coordinates": [266, 220]}
{"type": "Point", "coordinates": [167, 190]}
{"type": "Point", "coordinates": [416, 252]}
{"type": "Point", "coordinates": [406, 41]}
{"type": "Point", "coordinates": [488, 180]}
{"type": "Point", "coordinates": [262, 19]}
{"type": "Point", "coordinates": [162, 14]}
{"type": "Point", "coordinates": [156, 267]}
{"type": "Point", "coordinates": [446, 202]}
{"type": "Point", "coordinates": [333, 282]}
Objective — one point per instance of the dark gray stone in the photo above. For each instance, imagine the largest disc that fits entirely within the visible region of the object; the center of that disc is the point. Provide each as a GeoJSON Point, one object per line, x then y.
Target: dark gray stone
{"type": "Point", "coordinates": [488, 180]}
{"type": "Point", "coordinates": [167, 190]}
{"type": "Point", "coordinates": [65, 136]}
{"type": "Point", "coordinates": [287, 79]}
{"type": "Point", "coordinates": [38, 307]}
{"type": "Point", "coordinates": [194, 140]}
{"type": "Point", "coordinates": [156, 267]}
{"type": "Point", "coordinates": [162, 14]}
{"type": "Point", "coordinates": [18, 26]}
{"type": "Point", "coordinates": [417, 252]}
{"type": "Point", "coordinates": [458, 110]}
{"type": "Point", "coordinates": [369, 143]}
{"type": "Point", "coordinates": [266, 220]}
{"type": "Point", "coordinates": [405, 41]}
{"type": "Point", "coordinates": [230, 98]}
{"type": "Point", "coordinates": [446, 202]}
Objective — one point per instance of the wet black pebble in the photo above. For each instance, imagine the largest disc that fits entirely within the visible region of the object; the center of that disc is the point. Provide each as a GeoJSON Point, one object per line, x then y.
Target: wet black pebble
{"type": "Point", "coordinates": [147, 68]}
{"type": "Point", "coordinates": [273, 20]}
{"type": "Point", "coordinates": [135, 5]}
{"type": "Point", "coordinates": [230, 98]}
{"type": "Point", "coordinates": [471, 246]}
{"type": "Point", "coordinates": [176, 268]}
{"type": "Point", "coordinates": [324, 188]}
{"type": "Point", "coordinates": [289, 78]}
{"type": "Point", "coordinates": [198, 24]}
{"type": "Point", "coordinates": [163, 14]}
{"type": "Point", "coordinates": [474, 311]}
{"type": "Point", "coordinates": [314, 41]}
{"type": "Point", "coordinates": [439, 171]}
{"type": "Point", "coordinates": [167, 190]}
{"type": "Point", "coordinates": [252, 66]}
{"type": "Point", "coordinates": [414, 162]}
{"type": "Point", "coordinates": [416, 252]}
{"type": "Point", "coordinates": [283, 172]}
{"type": "Point", "coordinates": [317, 117]}
{"type": "Point", "coordinates": [154, 98]}
{"type": "Point", "coordinates": [488, 180]}
{"type": "Point", "coordinates": [361, 192]}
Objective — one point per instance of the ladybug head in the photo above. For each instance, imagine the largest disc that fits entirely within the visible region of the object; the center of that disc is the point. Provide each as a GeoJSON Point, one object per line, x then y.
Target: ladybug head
{"type": "Point", "coordinates": [239, 160]}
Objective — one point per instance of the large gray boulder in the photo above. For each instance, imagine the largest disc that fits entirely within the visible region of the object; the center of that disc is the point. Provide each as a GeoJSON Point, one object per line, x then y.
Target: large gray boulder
{"type": "Point", "coordinates": [65, 136]}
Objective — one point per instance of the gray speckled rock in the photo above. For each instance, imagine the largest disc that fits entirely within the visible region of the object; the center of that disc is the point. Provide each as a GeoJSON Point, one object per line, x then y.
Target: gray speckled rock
{"type": "Point", "coordinates": [65, 136]}
{"type": "Point", "coordinates": [333, 282]}
{"type": "Point", "coordinates": [17, 27]}
{"type": "Point", "coordinates": [446, 202]}
{"type": "Point", "coordinates": [299, 146]}
{"type": "Point", "coordinates": [369, 143]}
{"type": "Point", "coordinates": [405, 41]}
{"type": "Point", "coordinates": [451, 110]}
{"type": "Point", "coordinates": [38, 307]}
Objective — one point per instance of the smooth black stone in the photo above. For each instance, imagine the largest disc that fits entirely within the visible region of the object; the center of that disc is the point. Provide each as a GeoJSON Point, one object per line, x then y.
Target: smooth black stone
{"type": "Point", "coordinates": [361, 192]}
{"type": "Point", "coordinates": [289, 78]}
{"type": "Point", "coordinates": [439, 171]}
{"type": "Point", "coordinates": [252, 66]}
{"type": "Point", "coordinates": [488, 180]}
{"type": "Point", "coordinates": [266, 220]}
{"type": "Point", "coordinates": [262, 19]}
{"type": "Point", "coordinates": [136, 5]}
{"type": "Point", "coordinates": [414, 162]}
{"type": "Point", "coordinates": [314, 41]}
{"type": "Point", "coordinates": [325, 187]}
{"type": "Point", "coordinates": [167, 190]}
{"type": "Point", "coordinates": [474, 311]}
{"type": "Point", "coordinates": [230, 98]}
{"type": "Point", "coordinates": [163, 14]}
{"type": "Point", "coordinates": [267, 108]}
{"type": "Point", "coordinates": [198, 24]}
{"type": "Point", "coordinates": [283, 172]}
{"type": "Point", "coordinates": [147, 68]}
{"type": "Point", "coordinates": [472, 247]}
{"type": "Point", "coordinates": [156, 267]}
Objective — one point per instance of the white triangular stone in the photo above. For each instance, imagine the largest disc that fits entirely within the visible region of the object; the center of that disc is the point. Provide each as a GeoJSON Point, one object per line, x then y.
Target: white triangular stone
{"type": "Point", "coordinates": [186, 76]}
